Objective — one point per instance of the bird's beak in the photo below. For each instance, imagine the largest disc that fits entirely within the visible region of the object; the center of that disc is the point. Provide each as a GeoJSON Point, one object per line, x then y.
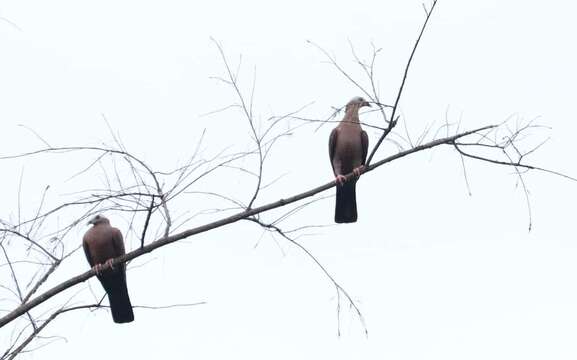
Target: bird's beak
{"type": "Point", "coordinates": [90, 222]}
{"type": "Point", "coordinates": [366, 103]}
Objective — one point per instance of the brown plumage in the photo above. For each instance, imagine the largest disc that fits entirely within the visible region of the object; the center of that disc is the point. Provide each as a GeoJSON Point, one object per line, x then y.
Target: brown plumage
{"type": "Point", "coordinates": [102, 243]}
{"type": "Point", "coordinates": [348, 146]}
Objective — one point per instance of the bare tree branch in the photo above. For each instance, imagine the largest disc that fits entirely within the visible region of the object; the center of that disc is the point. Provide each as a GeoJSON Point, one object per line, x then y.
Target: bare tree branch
{"type": "Point", "coordinates": [163, 241]}
{"type": "Point", "coordinates": [142, 195]}
{"type": "Point", "coordinates": [339, 289]}
{"type": "Point", "coordinates": [393, 121]}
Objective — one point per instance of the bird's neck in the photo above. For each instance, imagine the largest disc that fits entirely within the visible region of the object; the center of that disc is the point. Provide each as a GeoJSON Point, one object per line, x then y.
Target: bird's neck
{"type": "Point", "coordinates": [351, 116]}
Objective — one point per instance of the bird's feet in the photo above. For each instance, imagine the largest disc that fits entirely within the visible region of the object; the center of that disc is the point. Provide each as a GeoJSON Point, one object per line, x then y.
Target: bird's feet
{"type": "Point", "coordinates": [108, 264]}
{"type": "Point", "coordinates": [98, 269]}
{"type": "Point", "coordinates": [340, 179]}
{"type": "Point", "coordinates": [359, 170]}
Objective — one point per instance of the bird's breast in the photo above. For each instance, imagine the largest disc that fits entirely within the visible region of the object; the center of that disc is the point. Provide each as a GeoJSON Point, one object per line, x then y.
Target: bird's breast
{"type": "Point", "coordinates": [102, 248]}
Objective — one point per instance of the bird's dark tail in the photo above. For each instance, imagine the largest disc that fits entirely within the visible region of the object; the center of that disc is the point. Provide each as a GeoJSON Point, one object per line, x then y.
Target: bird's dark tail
{"type": "Point", "coordinates": [120, 306]}
{"type": "Point", "coordinates": [346, 204]}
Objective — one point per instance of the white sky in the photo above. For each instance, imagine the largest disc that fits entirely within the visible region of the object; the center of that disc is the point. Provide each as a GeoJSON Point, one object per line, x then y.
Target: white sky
{"type": "Point", "coordinates": [436, 273]}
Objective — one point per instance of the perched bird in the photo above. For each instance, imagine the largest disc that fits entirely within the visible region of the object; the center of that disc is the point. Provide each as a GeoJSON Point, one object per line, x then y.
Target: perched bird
{"type": "Point", "coordinates": [102, 243]}
{"type": "Point", "coordinates": [348, 146]}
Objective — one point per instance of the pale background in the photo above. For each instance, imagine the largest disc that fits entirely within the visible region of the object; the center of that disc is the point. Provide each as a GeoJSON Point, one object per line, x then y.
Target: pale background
{"type": "Point", "coordinates": [436, 273]}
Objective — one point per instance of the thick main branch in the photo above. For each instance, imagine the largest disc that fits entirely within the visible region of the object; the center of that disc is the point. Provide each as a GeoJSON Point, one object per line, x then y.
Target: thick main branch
{"type": "Point", "coordinates": [22, 309]}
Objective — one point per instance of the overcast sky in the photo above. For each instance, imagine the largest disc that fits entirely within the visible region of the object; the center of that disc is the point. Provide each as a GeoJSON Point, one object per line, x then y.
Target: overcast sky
{"type": "Point", "coordinates": [437, 274]}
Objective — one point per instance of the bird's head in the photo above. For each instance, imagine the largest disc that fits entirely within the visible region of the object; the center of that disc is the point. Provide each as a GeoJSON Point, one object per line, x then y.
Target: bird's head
{"type": "Point", "coordinates": [357, 102]}
{"type": "Point", "coordinates": [98, 219]}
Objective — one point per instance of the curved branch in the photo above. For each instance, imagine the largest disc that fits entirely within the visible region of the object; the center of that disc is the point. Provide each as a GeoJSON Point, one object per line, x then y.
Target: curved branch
{"type": "Point", "coordinates": [337, 286]}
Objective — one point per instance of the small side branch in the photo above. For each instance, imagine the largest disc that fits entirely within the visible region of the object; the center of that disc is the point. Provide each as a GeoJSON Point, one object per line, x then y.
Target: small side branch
{"type": "Point", "coordinates": [402, 86]}
{"type": "Point", "coordinates": [147, 221]}
{"type": "Point", "coordinates": [11, 354]}
{"type": "Point", "coordinates": [338, 288]}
